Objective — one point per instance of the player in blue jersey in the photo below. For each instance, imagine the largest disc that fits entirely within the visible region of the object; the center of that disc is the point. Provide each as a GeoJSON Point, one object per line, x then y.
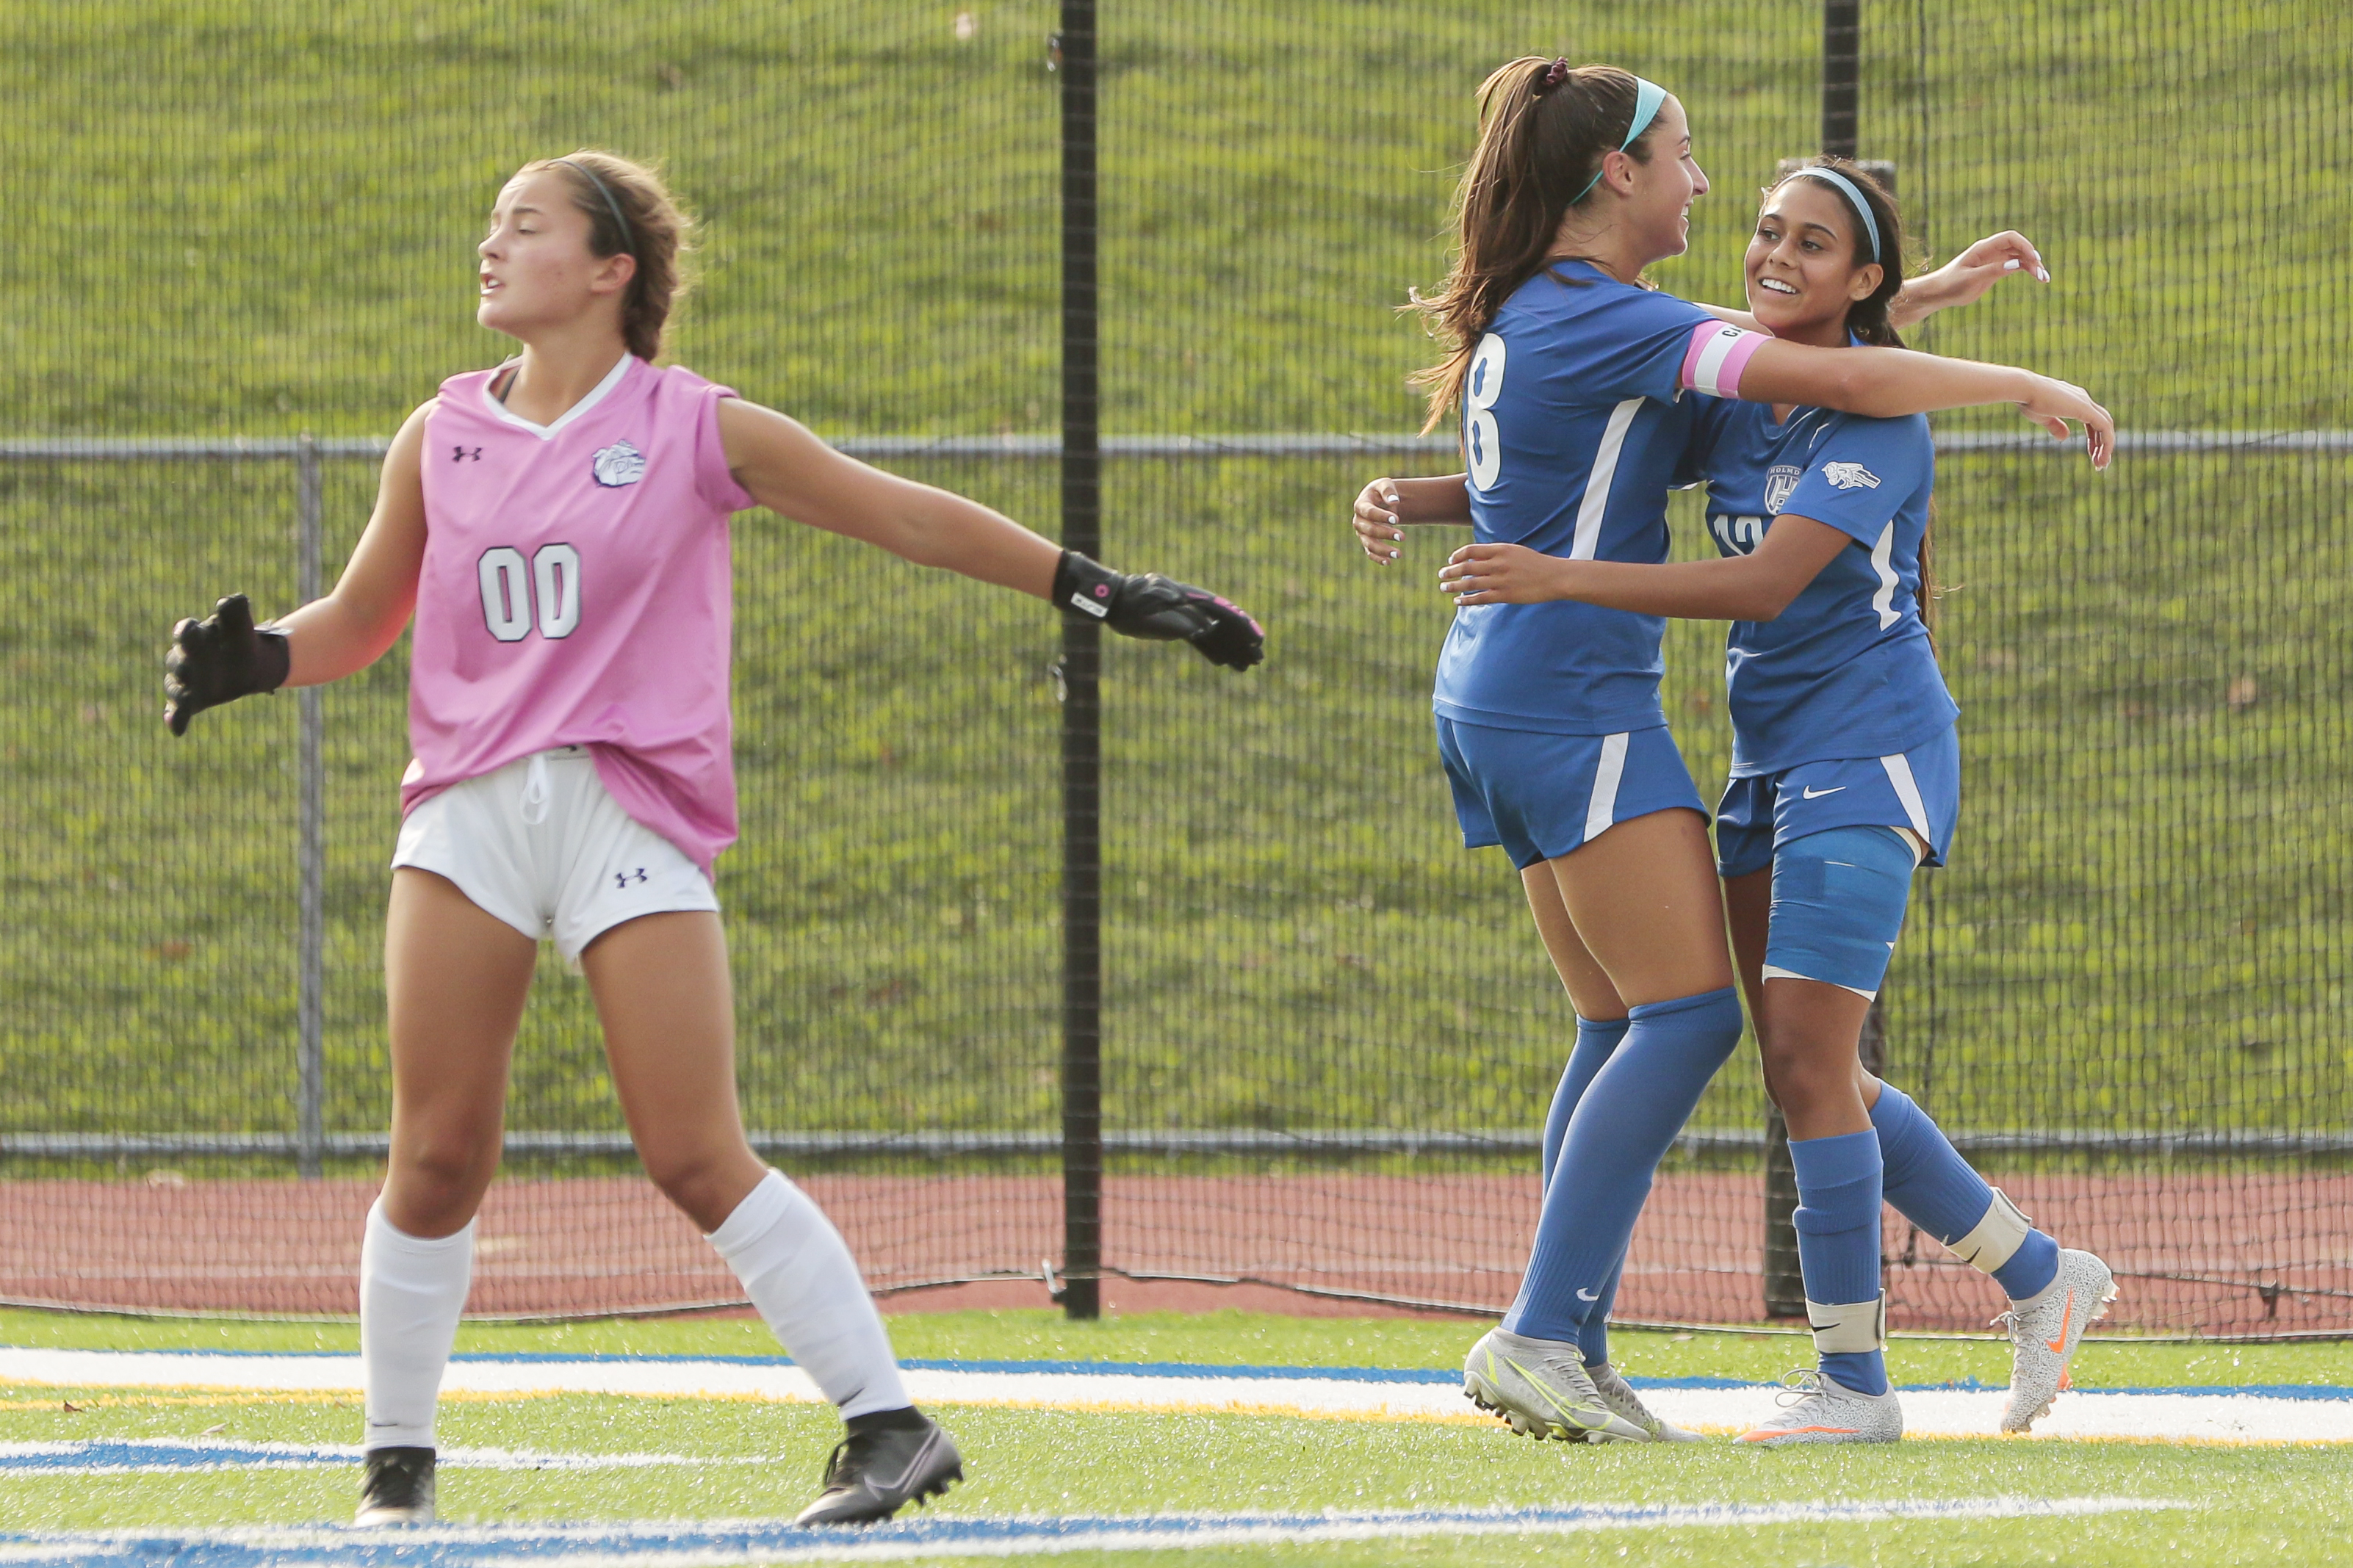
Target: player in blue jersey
{"type": "Point", "coordinates": [1571, 379]}
{"type": "Point", "coordinates": [1845, 775]}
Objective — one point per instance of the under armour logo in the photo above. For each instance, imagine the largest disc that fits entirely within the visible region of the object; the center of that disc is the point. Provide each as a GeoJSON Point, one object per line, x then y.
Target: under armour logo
{"type": "Point", "coordinates": [465, 454]}
{"type": "Point", "coordinates": [623, 879]}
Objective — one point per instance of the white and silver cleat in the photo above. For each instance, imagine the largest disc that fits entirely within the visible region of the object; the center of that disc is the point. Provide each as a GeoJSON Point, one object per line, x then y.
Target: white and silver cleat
{"type": "Point", "coordinates": [1542, 1388]}
{"type": "Point", "coordinates": [2044, 1331]}
{"type": "Point", "coordinates": [1818, 1409]}
{"type": "Point", "coordinates": [1619, 1396]}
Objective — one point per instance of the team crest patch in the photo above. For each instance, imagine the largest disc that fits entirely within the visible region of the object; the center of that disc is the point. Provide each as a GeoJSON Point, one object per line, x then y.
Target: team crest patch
{"type": "Point", "coordinates": [622, 464]}
{"type": "Point", "coordinates": [1779, 480]}
{"type": "Point", "coordinates": [1850, 476]}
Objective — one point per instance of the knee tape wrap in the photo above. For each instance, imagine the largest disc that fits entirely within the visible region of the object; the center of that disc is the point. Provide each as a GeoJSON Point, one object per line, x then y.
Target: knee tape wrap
{"type": "Point", "coordinates": [1838, 907]}
{"type": "Point", "coordinates": [1855, 1327]}
{"type": "Point", "coordinates": [1995, 1240]}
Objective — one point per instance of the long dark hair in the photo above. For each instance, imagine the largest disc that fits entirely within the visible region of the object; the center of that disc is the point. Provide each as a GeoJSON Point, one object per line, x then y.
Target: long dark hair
{"type": "Point", "coordinates": [1867, 317]}
{"type": "Point", "coordinates": [1544, 130]}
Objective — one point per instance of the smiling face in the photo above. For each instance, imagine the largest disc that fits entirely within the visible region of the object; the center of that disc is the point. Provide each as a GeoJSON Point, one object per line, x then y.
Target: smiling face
{"type": "Point", "coordinates": [537, 271]}
{"type": "Point", "coordinates": [1800, 267]}
{"type": "Point", "coordinates": [1659, 209]}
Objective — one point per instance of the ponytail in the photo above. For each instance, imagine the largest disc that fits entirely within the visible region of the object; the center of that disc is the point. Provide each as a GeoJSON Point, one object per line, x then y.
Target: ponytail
{"type": "Point", "coordinates": [1545, 131]}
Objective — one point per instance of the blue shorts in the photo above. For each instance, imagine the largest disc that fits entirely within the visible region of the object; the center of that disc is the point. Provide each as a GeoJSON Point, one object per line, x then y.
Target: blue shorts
{"type": "Point", "coordinates": [1540, 796]}
{"type": "Point", "coordinates": [1919, 789]}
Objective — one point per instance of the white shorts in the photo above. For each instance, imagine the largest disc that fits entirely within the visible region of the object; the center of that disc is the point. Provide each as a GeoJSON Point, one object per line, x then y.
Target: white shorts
{"type": "Point", "coordinates": [543, 847]}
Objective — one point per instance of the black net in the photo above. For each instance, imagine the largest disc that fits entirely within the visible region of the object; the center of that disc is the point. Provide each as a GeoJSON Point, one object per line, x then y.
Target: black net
{"type": "Point", "coordinates": [1329, 1032]}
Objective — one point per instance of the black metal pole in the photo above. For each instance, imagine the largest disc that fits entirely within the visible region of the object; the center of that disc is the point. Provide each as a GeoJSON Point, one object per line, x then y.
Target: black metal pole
{"type": "Point", "coordinates": [1785, 1285]}
{"type": "Point", "coordinates": [1842, 72]}
{"type": "Point", "coordinates": [1081, 703]}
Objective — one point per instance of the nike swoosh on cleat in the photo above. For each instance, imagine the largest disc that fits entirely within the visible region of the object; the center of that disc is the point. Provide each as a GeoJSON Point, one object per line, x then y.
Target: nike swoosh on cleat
{"type": "Point", "coordinates": [1571, 1411]}
{"type": "Point", "coordinates": [2066, 1313]}
{"type": "Point", "coordinates": [1760, 1433]}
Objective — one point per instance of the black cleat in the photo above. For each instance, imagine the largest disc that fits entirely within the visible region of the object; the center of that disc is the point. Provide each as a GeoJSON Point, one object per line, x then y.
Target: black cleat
{"type": "Point", "coordinates": [872, 1474]}
{"type": "Point", "coordinates": [399, 1488]}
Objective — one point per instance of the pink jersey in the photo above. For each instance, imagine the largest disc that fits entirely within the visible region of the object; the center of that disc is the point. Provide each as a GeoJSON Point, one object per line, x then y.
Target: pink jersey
{"type": "Point", "coordinates": [576, 591]}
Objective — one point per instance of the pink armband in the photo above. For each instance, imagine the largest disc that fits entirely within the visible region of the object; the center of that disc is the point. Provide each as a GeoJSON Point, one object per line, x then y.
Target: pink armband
{"type": "Point", "coordinates": [1719, 352]}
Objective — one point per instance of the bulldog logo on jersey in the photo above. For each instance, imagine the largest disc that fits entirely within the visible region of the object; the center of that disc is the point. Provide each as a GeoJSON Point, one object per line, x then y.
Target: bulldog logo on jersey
{"type": "Point", "coordinates": [1779, 480]}
{"type": "Point", "coordinates": [1850, 476]}
{"type": "Point", "coordinates": [622, 464]}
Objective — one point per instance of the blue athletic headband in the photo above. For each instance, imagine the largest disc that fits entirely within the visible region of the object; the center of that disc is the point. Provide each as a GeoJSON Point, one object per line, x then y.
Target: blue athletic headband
{"type": "Point", "coordinates": [1647, 96]}
{"type": "Point", "coordinates": [1869, 224]}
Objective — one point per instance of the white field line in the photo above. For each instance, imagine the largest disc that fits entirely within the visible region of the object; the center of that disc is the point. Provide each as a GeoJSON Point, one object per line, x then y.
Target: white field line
{"type": "Point", "coordinates": [147, 1455]}
{"type": "Point", "coordinates": [2219, 1418]}
{"type": "Point", "coordinates": [721, 1543]}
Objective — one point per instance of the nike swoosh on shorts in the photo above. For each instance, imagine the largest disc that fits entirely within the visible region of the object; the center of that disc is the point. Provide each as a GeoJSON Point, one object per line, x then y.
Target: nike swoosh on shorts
{"type": "Point", "coordinates": [1813, 793]}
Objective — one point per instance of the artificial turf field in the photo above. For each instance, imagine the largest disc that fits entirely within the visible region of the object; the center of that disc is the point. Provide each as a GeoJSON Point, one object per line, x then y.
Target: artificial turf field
{"type": "Point", "coordinates": [756, 1460]}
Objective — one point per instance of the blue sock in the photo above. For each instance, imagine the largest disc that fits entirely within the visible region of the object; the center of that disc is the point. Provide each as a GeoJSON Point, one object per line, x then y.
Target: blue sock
{"type": "Point", "coordinates": [1931, 1185]}
{"type": "Point", "coordinates": [1838, 1238]}
{"type": "Point", "coordinates": [1596, 1041]}
{"type": "Point", "coordinates": [1623, 1125]}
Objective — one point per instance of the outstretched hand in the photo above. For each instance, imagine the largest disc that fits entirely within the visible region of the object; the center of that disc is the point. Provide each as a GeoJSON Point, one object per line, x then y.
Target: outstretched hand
{"type": "Point", "coordinates": [1964, 280]}
{"type": "Point", "coordinates": [2055, 403]}
{"type": "Point", "coordinates": [1159, 609]}
{"type": "Point", "coordinates": [218, 660]}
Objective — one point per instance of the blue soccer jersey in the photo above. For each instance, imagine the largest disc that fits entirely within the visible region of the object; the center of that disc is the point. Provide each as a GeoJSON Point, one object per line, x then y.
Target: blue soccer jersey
{"type": "Point", "coordinates": [1573, 427]}
{"type": "Point", "coordinates": [1846, 670]}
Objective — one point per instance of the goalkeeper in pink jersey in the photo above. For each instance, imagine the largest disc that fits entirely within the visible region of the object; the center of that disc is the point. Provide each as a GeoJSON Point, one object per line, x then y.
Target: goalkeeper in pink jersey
{"type": "Point", "coordinates": [557, 527]}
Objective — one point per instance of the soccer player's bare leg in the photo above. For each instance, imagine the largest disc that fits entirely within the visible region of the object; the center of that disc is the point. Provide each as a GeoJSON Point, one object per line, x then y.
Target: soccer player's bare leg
{"type": "Point", "coordinates": [455, 982]}
{"type": "Point", "coordinates": [664, 997]}
{"type": "Point", "coordinates": [668, 1008]}
{"type": "Point", "coordinates": [456, 979]}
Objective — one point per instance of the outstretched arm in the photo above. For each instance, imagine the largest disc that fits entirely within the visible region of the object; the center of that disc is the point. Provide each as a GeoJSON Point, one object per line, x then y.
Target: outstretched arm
{"type": "Point", "coordinates": [225, 655]}
{"type": "Point", "coordinates": [360, 619]}
{"type": "Point", "coordinates": [1888, 383]}
{"type": "Point", "coordinates": [788, 471]}
{"type": "Point", "coordinates": [1753, 587]}
{"type": "Point", "coordinates": [1963, 279]}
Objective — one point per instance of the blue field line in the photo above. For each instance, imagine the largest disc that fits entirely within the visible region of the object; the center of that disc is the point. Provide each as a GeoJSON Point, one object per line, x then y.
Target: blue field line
{"type": "Point", "coordinates": [1182, 1369]}
{"type": "Point", "coordinates": [130, 1456]}
{"type": "Point", "coordinates": [772, 1540]}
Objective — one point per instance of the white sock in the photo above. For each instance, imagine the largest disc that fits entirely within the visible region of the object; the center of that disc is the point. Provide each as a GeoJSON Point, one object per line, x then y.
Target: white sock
{"type": "Point", "coordinates": [411, 1291]}
{"type": "Point", "coordinates": [799, 1274]}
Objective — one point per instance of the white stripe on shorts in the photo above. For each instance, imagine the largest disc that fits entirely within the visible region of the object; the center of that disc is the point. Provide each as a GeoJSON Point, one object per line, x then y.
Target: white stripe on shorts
{"type": "Point", "coordinates": [1774, 972]}
{"type": "Point", "coordinates": [1587, 537]}
{"type": "Point", "coordinates": [1899, 773]}
{"type": "Point", "coordinates": [1603, 810]}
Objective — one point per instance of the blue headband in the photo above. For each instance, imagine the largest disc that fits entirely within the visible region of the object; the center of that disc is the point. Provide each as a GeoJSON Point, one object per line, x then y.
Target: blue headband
{"type": "Point", "coordinates": [1647, 96]}
{"type": "Point", "coordinates": [1869, 224]}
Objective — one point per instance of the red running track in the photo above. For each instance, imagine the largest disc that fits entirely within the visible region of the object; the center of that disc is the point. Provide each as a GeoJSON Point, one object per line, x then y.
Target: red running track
{"type": "Point", "coordinates": [2215, 1254]}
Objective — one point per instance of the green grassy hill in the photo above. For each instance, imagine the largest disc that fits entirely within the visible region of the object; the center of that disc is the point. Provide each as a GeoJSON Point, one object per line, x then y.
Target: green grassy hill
{"type": "Point", "coordinates": [257, 219]}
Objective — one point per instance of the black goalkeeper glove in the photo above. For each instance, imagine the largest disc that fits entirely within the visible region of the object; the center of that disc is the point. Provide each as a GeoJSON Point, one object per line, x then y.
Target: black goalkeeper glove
{"type": "Point", "coordinates": [220, 658]}
{"type": "Point", "coordinates": [1158, 610]}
